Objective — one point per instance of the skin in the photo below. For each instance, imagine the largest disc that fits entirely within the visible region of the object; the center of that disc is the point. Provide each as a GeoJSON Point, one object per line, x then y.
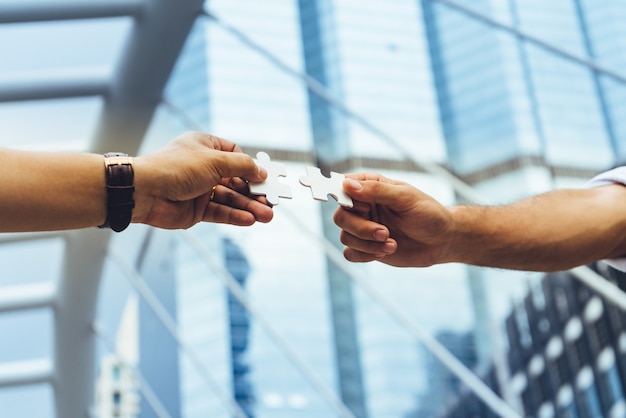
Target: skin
{"type": "Point", "coordinates": [397, 224]}
{"type": "Point", "coordinates": [58, 191]}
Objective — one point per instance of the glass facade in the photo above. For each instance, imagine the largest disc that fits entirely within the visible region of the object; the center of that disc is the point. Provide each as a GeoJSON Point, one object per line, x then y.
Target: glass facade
{"type": "Point", "coordinates": [466, 60]}
{"type": "Point", "coordinates": [347, 86]}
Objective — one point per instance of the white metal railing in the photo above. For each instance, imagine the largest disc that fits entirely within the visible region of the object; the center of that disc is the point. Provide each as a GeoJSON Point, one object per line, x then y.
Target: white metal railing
{"type": "Point", "coordinates": [30, 296]}
{"type": "Point", "coordinates": [29, 372]}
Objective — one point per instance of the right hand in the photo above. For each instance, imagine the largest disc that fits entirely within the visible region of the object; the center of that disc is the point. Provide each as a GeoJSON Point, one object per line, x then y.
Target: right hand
{"type": "Point", "coordinates": [198, 178]}
{"type": "Point", "coordinates": [392, 222]}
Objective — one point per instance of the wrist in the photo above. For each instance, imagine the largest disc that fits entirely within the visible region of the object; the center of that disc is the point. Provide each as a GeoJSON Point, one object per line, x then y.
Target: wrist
{"type": "Point", "coordinates": [458, 242]}
{"type": "Point", "coordinates": [144, 190]}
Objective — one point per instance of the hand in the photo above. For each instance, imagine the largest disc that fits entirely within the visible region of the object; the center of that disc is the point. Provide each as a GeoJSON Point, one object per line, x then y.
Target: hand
{"type": "Point", "coordinates": [392, 222]}
{"type": "Point", "coordinates": [197, 177]}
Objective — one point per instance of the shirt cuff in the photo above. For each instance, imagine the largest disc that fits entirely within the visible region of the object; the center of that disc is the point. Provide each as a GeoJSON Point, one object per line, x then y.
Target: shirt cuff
{"type": "Point", "coordinates": [615, 176]}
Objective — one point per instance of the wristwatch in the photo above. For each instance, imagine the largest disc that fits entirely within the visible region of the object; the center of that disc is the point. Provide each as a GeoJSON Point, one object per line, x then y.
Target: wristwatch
{"type": "Point", "coordinates": [120, 188]}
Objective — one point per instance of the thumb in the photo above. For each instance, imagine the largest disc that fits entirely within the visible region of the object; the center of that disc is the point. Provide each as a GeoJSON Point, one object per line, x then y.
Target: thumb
{"type": "Point", "coordinates": [379, 192]}
{"type": "Point", "coordinates": [236, 164]}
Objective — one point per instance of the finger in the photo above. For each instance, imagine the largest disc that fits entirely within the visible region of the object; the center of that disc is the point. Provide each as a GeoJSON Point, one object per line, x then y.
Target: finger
{"type": "Point", "coordinates": [255, 204]}
{"type": "Point", "coordinates": [358, 257]}
{"type": "Point", "coordinates": [363, 209]}
{"type": "Point", "coordinates": [385, 193]}
{"type": "Point", "coordinates": [356, 225]}
{"type": "Point", "coordinates": [218, 213]}
{"type": "Point", "coordinates": [243, 187]}
{"type": "Point", "coordinates": [229, 198]}
{"type": "Point", "coordinates": [375, 248]}
{"type": "Point", "coordinates": [222, 144]}
{"type": "Point", "coordinates": [222, 214]}
{"type": "Point", "coordinates": [237, 184]}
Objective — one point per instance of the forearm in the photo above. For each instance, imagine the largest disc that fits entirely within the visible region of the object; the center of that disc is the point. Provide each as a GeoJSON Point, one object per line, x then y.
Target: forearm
{"type": "Point", "coordinates": [553, 231]}
{"type": "Point", "coordinates": [51, 191]}
{"type": "Point", "coordinates": [195, 178]}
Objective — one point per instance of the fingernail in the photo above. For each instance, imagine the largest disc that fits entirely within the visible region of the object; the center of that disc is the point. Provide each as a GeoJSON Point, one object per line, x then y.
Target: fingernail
{"type": "Point", "coordinates": [380, 235]}
{"type": "Point", "coordinates": [388, 247]}
{"type": "Point", "coordinates": [353, 184]}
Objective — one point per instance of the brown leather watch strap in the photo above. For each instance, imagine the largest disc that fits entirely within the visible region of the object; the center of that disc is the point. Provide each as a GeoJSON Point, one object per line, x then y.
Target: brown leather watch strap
{"type": "Point", "coordinates": [120, 188]}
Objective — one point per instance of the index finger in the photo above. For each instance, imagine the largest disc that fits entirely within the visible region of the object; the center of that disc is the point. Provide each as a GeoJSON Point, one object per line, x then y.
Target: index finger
{"type": "Point", "coordinates": [222, 144]}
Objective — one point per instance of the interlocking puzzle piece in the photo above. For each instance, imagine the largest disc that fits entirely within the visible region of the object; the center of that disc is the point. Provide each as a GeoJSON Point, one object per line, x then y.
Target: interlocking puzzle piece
{"type": "Point", "coordinates": [271, 188]}
{"type": "Point", "coordinates": [322, 186]}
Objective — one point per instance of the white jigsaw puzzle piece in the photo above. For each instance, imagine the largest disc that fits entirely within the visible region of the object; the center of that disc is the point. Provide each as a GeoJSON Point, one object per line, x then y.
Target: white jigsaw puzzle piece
{"type": "Point", "coordinates": [322, 186]}
{"type": "Point", "coordinates": [271, 188]}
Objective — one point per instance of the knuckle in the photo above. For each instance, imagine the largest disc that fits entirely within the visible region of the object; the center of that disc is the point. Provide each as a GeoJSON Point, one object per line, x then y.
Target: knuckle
{"type": "Point", "coordinates": [338, 216]}
{"type": "Point", "coordinates": [343, 238]}
{"type": "Point", "coordinates": [347, 253]}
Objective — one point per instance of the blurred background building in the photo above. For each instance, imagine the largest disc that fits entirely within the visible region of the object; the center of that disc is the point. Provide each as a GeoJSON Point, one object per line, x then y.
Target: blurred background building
{"type": "Point", "coordinates": [472, 101]}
